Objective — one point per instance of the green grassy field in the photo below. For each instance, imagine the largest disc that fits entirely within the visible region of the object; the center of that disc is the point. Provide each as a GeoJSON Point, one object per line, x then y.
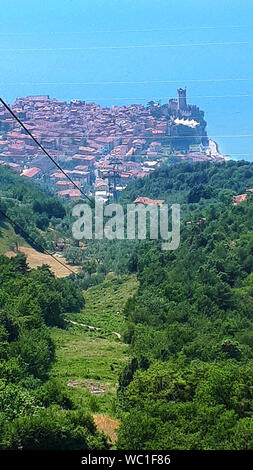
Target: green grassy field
{"type": "Point", "coordinates": [93, 358]}
{"type": "Point", "coordinates": [102, 303]}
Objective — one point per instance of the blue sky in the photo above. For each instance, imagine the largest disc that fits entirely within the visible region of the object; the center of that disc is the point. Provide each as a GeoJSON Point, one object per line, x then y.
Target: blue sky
{"type": "Point", "coordinates": [82, 42]}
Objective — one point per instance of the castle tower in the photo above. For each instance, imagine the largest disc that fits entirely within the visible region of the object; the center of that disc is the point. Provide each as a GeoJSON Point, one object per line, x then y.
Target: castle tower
{"type": "Point", "coordinates": [173, 104]}
{"type": "Point", "coordinates": [181, 101]}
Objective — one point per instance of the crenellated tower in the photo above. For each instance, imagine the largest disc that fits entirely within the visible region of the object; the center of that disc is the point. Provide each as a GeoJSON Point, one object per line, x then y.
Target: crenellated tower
{"type": "Point", "coordinates": [181, 101]}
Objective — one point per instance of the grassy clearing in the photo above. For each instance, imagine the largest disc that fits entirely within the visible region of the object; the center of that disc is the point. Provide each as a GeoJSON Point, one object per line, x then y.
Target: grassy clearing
{"type": "Point", "coordinates": [91, 359]}
{"type": "Point", "coordinates": [9, 240]}
{"type": "Point", "coordinates": [35, 259]}
{"type": "Point", "coordinates": [88, 362]}
{"type": "Point", "coordinates": [102, 303]}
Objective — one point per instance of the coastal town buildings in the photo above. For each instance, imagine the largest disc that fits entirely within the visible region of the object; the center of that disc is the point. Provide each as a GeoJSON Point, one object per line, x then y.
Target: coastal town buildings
{"type": "Point", "coordinates": [87, 139]}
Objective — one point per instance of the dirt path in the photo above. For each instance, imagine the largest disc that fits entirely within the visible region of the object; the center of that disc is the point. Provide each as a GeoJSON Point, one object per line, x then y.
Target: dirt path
{"type": "Point", "coordinates": [117, 334]}
{"type": "Point", "coordinates": [90, 327]}
{"type": "Point", "coordinates": [108, 425]}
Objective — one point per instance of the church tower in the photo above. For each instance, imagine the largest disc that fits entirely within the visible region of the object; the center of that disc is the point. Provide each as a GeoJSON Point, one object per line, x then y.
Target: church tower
{"type": "Point", "coordinates": [181, 101]}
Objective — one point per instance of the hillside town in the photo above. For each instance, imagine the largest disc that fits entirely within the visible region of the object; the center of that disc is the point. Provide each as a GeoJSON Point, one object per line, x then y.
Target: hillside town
{"type": "Point", "coordinates": [101, 148]}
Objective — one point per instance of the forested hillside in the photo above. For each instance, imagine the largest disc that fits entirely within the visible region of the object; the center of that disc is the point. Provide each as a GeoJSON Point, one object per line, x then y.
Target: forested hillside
{"type": "Point", "coordinates": [29, 207]}
{"type": "Point", "coordinates": [193, 183]}
{"type": "Point", "coordinates": [190, 325]}
{"type": "Point", "coordinates": [36, 413]}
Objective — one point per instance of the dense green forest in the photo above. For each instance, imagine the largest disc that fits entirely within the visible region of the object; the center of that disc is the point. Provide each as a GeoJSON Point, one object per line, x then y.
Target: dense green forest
{"type": "Point", "coordinates": [189, 326]}
{"type": "Point", "coordinates": [29, 207]}
{"type": "Point", "coordinates": [193, 183]}
{"type": "Point", "coordinates": [36, 413]}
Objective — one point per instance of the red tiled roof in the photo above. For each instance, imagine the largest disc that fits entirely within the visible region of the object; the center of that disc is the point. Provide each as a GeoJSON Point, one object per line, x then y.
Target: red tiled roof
{"type": "Point", "coordinates": [81, 167]}
{"type": "Point", "coordinates": [31, 172]}
{"type": "Point", "coordinates": [85, 158]}
{"type": "Point", "coordinates": [57, 174]}
{"type": "Point", "coordinates": [63, 183]}
{"type": "Point", "coordinates": [70, 193]}
{"type": "Point", "coordinates": [141, 174]}
{"type": "Point", "coordinates": [238, 199]}
{"type": "Point", "coordinates": [148, 201]}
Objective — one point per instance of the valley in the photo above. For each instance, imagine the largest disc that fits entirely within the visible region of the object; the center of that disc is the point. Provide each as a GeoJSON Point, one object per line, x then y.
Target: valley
{"type": "Point", "coordinates": [89, 360]}
{"type": "Point", "coordinates": [121, 353]}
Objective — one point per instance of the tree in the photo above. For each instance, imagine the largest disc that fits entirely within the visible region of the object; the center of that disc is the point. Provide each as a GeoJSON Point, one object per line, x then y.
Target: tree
{"type": "Point", "coordinates": [36, 349]}
{"type": "Point", "coordinates": [54, 429]}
